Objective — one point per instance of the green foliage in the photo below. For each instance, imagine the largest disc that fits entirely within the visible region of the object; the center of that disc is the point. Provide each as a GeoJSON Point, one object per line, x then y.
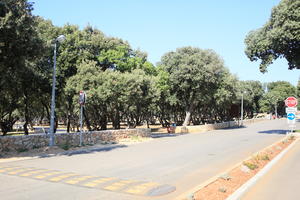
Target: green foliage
{"type": "Point", "coordinates": [265, 157]}
{"type": "Point", "coordinates": [20, 47]}
{"type": "Point", "coordinates": [252, 93]}
{"type": "Point", "coordinates": [112, 94]}
{"type": "Point", "coordinates": [274, 98]}
{"type": "Point", "coordinates": [194, 77]}
{"type": "Point", "coordinates": [189, 84]}
{"type": "Point", "coordinates": [250, 165]}
{"type": "Point", "coordinates": [279, 37]}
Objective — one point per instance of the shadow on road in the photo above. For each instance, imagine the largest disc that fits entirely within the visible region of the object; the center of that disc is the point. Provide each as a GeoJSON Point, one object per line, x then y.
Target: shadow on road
{"type": "Point", "coordinates": [156, 135]}
{"type": "Point", "coordinates": [233, 127]}
{"type": "Point", "coordinates": [86, 151]}
{"type": "Point", "coordinates": [274, 132]}
{"type": "Point", "coordinates": [40, 153]}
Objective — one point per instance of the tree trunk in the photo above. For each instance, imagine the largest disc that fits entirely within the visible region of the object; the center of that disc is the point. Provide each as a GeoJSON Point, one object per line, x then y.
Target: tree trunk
{"type": "Point", "coordinates": [68, 122]}
{"type": "Point", "coordinates": [26, 115]}
{"type": "Point", "coordinates": [116, 119]}
{"type": "Point", "coordinates": [103, 123]}
{"type": "Point", "coordinates": [188, 114]}
{"type": "Point", "coordinates": [47, 110]}
{"type": "Point", "coordinates": [69, 115]}
{"type": "Point", "coordinates": [187, 118]}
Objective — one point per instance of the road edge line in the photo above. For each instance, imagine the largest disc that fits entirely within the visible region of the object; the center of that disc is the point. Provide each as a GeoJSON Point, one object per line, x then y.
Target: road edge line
{"type": "Point", "coordinates": [246, 186]}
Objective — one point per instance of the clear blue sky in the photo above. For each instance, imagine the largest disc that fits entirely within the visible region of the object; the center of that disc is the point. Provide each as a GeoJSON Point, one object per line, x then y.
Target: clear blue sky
{"type": "Point", "coordinates": [159, 26]}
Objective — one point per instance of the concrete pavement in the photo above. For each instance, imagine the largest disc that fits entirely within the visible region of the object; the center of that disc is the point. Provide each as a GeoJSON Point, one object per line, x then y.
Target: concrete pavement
{"type": "Point", "coordinates": [281, 182]}
{"type": "Point", "coordinates": [183, 162]}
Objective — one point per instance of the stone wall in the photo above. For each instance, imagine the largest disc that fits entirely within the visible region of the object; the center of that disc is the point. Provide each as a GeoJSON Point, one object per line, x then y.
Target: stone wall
{"type": "Point", "coordinates": [26, 142]}
{"type": "Point", "coordinates": [209, 127]}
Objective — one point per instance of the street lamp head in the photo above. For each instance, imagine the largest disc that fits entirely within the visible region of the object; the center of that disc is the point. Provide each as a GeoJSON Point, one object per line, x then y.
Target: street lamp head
{"type": "Point", "coordinates": [60, 38]}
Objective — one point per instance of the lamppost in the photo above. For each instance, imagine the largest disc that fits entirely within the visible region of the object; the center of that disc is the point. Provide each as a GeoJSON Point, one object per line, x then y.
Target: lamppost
{"type": "Point", "coordinates": [242, 107]}
{"type": "Point", "coordinates": [59, 39]}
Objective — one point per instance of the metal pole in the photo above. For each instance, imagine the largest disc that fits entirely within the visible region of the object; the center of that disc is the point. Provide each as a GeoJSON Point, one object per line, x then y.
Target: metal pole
{"type": "Point", "coordinates": [81, 114]}
{"type": "Point", "coordinates": [276, 110]}
{"type": "Point", "coordinates": [51, 142]}
{"type": "Point", "coordinates": [242, 109]}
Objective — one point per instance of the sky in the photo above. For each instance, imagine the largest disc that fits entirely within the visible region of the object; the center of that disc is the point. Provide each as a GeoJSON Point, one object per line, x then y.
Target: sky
{"type": "Point", "coordinates": [161, 26]}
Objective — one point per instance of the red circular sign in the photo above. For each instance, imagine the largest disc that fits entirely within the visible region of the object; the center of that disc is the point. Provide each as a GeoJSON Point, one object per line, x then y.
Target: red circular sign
{"type": "Point", "coordinates": [291, 102]}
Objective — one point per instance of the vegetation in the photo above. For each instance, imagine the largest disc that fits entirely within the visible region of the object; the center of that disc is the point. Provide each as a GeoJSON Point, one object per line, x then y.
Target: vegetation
{"type": "Point", "coordinates": [189, 85]}
{"type": "Point", "coordinates": [274, 98]}
{"type": "Point", "coordinates": [250, 165]}
{"type": "Point", "coordinates": [278, 38]}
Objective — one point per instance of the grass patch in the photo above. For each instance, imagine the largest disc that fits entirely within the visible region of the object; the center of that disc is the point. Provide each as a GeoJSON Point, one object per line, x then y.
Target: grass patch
{"type": "Point", "coordinates": [250, 165]}
{"type": "Point", "coordinates": [265, 157]}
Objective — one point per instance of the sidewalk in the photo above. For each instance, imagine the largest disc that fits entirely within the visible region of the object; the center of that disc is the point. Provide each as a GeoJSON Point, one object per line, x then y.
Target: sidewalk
{"type": "Point", "coordinates": [281, 182]}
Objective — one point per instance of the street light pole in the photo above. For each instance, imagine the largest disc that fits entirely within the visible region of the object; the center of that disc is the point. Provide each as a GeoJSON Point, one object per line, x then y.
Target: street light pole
{"type": "Point", "coordinates": [242, 107]}
{"type": "Point", "coordinates": [61, 38]}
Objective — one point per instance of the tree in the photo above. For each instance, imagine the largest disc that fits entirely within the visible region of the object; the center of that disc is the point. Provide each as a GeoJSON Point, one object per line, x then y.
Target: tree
{"type": "Point", "coordinates": [112, 95]}
{"type": "Point", "coordinates": [194, 75]}
{"type": "Point", "coordinates": [19, 47]}
{"type": "Point", "coordinates": [225, 96]}
{"type": "Point", "coordinates": [279, 37]}
{"type": "Point", "coordinates": [253, 92]}
{"type": "Point", "coordinates": [273, 100]}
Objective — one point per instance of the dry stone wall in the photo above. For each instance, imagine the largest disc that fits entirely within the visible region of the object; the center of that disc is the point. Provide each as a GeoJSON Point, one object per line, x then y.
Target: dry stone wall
{"type": "Point", "coordinates": [26, 142]}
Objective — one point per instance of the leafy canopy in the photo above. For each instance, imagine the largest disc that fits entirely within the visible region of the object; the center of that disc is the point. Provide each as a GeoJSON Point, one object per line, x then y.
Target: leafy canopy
{"type": "Point", "coordinates": [278, 38]}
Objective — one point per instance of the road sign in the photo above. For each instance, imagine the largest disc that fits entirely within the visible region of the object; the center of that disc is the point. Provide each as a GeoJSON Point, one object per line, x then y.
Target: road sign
{"type": "Point", "coordinates": [82, 97]}
{"type": "Point", "coordinates": [291, 116]}
{"type": "Point", "coordinates": [291, 102]}
{"type": "Point", "coordinates": [291, 109]}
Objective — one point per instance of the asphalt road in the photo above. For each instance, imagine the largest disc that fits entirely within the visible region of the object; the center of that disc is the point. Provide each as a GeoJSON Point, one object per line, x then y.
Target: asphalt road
{"type": "Point", "coordinates": [281, 182]}
{"type": "Point", "coordinates": [183, 161]}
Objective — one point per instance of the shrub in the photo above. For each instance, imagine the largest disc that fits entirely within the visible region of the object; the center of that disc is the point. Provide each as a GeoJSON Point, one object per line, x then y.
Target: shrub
{"type": "Point", "coordinates": [250, 165]}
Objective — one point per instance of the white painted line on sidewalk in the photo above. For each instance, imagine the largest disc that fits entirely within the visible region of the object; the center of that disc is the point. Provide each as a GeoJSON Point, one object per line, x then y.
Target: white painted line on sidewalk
{"type": "Point", "coordinates": [246, 186]}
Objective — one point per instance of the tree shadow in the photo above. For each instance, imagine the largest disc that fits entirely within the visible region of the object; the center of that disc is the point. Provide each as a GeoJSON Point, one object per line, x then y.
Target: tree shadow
{"type": "Point", "coordinates": [86, 151]}
{"type": "Point", "coordinates": [282, 132]}
{"type": "Point", "coordinates": [162, 135]}
{"type": "Point", "coordinates": [233, 127]}
{"type": "Point", "coordinates": [41, 154]}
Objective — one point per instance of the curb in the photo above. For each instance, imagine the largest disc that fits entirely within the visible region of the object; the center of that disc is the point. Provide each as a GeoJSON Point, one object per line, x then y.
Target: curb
{"type": "Point", "coordinates": [190, 194]}
{"type": "Point", "coordinates": [246, 186]}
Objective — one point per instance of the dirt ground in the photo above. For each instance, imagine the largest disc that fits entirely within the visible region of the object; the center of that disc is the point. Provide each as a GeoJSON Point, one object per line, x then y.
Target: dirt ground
{"type": "Point", "coordinates": [50, 151]}
{"type": "Point", "coordinates": [230, 181]}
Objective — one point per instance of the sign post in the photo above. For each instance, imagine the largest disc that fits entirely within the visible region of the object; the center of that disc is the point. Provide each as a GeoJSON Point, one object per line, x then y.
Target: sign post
{"type": "Point", "coordinates": [82, 98]}
{"type": "Point", "coordinates": [291, 103]}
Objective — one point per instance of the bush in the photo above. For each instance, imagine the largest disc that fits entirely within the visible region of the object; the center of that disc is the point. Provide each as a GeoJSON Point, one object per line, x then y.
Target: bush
{"type": "Point", "coordinates": [250, 165]}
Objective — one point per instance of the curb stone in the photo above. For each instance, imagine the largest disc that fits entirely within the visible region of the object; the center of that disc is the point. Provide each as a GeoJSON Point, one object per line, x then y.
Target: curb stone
{"type": "Point", "coordinates": [251, 182]}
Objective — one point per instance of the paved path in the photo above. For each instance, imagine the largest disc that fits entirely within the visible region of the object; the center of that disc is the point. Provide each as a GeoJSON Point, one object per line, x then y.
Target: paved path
{"type": "Point", "coordinates": [183, 162]}
{"type": "Point", "coordinates": [281, 182]}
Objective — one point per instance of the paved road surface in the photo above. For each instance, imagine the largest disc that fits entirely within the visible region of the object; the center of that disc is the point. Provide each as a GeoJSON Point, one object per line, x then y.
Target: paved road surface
{"type": "Point", "coordinates": [281, 182]}
{"type": "Point", "coordinates": [183, 161]}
